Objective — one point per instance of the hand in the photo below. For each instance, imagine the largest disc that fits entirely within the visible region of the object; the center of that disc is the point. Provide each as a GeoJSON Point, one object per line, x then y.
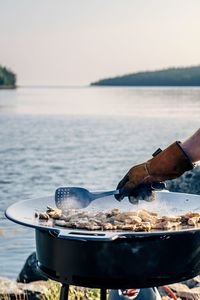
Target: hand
{"type": "Point", "coordinates": [146, 192]}
{"type": "Point", "coordinates": [168, 164]}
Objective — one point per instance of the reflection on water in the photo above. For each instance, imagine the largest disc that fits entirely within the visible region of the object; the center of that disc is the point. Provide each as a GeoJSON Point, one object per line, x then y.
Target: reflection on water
{"type": "Point", "coordinates": [85, 137]}
{"type": "Point", "coordinates": [104, 101]}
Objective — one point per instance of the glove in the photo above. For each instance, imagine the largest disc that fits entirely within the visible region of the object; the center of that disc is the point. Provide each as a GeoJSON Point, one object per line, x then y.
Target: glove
{"type": "Point", "coordinates": [145, 191]}
{"type": "Point", "coordinates": [165, 165]}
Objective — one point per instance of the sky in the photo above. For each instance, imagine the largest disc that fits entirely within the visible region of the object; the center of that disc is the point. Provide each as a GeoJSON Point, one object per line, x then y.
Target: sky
{"type": "Point", "coordinates": [75, 42]}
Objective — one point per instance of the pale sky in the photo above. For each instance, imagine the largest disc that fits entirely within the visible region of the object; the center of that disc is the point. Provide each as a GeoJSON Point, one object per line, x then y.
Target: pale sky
{"type": "Point", "coordinates": [74, 42]}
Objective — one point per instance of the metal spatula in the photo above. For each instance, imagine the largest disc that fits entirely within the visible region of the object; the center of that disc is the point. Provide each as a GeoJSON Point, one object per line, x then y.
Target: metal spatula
{"type": "Point", "coordinates": [77, 197]}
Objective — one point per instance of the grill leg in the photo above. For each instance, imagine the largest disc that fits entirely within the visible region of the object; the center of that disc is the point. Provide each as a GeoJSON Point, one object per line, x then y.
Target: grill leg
{"type": "Point", "coordinates": [103, 294]}
{"type": "Point", "coordinates": [64, 292]}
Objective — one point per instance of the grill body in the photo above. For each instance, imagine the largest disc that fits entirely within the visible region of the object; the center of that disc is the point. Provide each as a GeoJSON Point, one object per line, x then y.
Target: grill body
{"type": "Point", "coordinates": [136, 261]}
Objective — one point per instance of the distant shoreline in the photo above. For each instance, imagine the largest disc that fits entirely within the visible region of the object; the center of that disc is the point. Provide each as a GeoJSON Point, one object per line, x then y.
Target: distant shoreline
{"type": "Point", "coordinates": [171, 77]}
{"type": "Point", "coordinates": [8, 87]}
{"type": "Point", "coordinates": [97, 86]}
{"type": "Point", "coordinates": [8, 79]}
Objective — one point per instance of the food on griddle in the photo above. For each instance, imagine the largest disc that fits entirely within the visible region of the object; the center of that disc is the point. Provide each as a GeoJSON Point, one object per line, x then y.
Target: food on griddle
{"type": "Point", "coordinates": [42, 215]}
{"type": "Point", "coordinates": [51, 212]}
{"type": "Point", "coordinates": [138, 221]}
{"type": "Point", "coordinates": [165, 224]}
{"type": "Point", "coordinates": [143, 226]}
{"type": "Point", "coordinates": [193, 221]}
{"type": "Point", "coordinates": [54, 213]}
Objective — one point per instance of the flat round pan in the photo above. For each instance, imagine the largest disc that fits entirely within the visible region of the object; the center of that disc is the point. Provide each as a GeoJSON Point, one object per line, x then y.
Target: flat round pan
{"type": "Point", "coordinates": [115, 259]}
{"type": "Point", "coordinates": [166, 203]}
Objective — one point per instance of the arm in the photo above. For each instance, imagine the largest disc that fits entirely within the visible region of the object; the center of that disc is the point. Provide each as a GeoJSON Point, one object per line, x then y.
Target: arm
{"type": "Point", "coordinates": [192, 146]}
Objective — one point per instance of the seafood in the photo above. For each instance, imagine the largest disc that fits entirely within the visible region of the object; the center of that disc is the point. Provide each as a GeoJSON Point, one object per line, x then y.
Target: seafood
{"type": "Point", "coordinates": [138, 221]}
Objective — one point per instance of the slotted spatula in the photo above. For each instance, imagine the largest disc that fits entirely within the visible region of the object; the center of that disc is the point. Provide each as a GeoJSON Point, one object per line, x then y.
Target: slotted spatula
{"type": "Point", "coordinates": [77, 197]}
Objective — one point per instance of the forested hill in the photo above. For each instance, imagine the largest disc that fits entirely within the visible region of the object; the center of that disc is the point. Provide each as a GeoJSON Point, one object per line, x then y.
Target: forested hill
{"type": "Point", "coordinates": [7, 78]}
{"type": "Point", "coordinates": [188, 76]}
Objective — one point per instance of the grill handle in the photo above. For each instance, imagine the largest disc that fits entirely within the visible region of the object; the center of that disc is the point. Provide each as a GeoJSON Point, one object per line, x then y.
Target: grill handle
{"type": "Point", "coordinates": [89, 235]}
{"type": "Point", "coordinates": [97, 236]}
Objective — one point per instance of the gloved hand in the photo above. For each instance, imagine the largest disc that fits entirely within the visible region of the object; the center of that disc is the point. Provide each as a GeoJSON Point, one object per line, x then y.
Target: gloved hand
{"type": "Point", "coordinates": [168, 164]}
{"type": "Point", "coordinates": [145, 191]}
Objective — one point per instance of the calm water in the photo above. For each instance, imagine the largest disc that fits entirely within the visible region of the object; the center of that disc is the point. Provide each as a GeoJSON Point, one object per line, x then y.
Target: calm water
{"type": "Point", "coordinates": [87, 137]}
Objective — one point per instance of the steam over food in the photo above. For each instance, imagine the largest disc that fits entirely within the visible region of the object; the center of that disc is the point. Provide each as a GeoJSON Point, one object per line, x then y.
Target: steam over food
{"type": "Point", "coordinates": [137, 221]}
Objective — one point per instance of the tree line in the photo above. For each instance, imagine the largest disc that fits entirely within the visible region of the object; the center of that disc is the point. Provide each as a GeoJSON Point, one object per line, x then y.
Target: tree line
{"type": "Point", "coordinates": [7, 78]}
{"type": "Point", "coordinates": [187, 76]}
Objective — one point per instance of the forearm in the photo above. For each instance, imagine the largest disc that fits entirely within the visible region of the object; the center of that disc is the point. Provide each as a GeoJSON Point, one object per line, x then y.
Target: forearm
{"type": "Point", "coordinates": [192, 146]}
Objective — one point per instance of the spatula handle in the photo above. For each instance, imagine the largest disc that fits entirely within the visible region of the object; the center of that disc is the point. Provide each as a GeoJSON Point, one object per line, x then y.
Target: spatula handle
{"type": "Point", "coordinates": [104, 194]}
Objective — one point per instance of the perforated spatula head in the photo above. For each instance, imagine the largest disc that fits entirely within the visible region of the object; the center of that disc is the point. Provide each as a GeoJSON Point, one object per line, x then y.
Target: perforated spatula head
{"type": "Point", "coordinates": [77, 197]}
{"type": "Point", "coordinates": [72, 197]}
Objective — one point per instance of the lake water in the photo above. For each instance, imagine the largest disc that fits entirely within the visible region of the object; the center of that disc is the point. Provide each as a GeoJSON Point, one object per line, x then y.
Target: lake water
{"type": "Point", "coordinates": [89, 137]}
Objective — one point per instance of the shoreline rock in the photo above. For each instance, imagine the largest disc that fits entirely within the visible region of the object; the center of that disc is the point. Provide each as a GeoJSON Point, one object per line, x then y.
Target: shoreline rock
{"type": "Point", "coordinates": [189, 289]}
{"type": "Point", "coordinates": [187, 183]}
{"type": "Point", "coordinates": [12, 290]}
